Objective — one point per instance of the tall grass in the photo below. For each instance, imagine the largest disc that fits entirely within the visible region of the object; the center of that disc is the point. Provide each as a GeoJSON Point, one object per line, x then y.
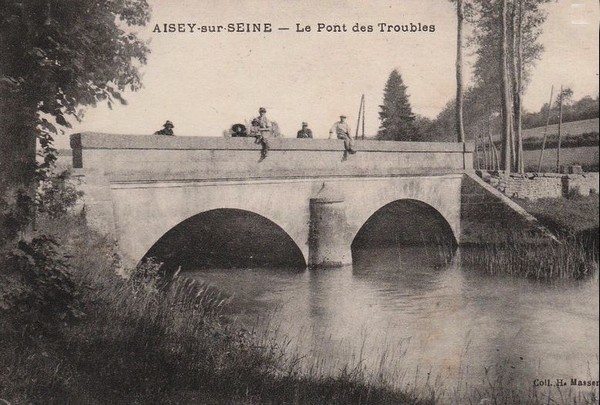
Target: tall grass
{"type": "Point", "coordinates": [566, 258]}
{"type": "Point", "coordinates": [142, 342]}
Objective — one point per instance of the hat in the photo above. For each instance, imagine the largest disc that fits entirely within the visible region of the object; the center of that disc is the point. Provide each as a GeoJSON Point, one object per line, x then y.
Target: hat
{"type": "Point", "coordinates": [262, 109]}
{"type": "Point", "coordinates": [343, 116]}
{"type": "Point", "coordinates": [304, 124]}
{"type": "Point", "coordinates": [169, 123]}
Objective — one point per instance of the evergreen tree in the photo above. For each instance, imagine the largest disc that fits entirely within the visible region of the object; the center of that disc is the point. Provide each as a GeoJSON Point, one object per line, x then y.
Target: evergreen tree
{"type": "Point", "coordinates": [397, 119]}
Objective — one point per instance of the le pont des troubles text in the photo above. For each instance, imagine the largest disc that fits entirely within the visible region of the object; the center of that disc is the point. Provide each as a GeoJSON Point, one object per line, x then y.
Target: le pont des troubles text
{"type": "Point", "coordinates": [267, 27]}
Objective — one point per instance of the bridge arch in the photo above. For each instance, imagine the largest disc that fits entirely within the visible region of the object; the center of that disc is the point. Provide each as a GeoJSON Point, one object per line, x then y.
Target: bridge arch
{"type": "Point", "coordinates": [226, 238]}
{"type": "Point", "coordinates": [401, 222]}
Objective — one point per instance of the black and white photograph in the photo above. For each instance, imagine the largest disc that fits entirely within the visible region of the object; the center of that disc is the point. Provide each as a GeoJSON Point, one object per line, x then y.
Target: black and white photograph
{"type": "Point", "coordinates": [299, 202]}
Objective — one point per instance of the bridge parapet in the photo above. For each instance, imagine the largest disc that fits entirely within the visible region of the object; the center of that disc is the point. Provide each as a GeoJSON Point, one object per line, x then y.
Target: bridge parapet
{"type": "Point", "coordinates": [126, 158]}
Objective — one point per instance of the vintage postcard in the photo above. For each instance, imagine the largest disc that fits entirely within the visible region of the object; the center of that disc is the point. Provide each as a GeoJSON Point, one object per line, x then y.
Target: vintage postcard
{"type": "Point", "coordinates": [253, 201]}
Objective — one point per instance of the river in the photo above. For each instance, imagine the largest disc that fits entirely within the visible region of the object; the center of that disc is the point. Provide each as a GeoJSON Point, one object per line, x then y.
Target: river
{"type": "Point", "coordinates": [409, 315]}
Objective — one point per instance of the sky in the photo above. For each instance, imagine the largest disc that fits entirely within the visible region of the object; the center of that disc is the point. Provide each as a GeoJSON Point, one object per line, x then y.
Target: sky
{"type": "Point", "coordinates": [205, 82]}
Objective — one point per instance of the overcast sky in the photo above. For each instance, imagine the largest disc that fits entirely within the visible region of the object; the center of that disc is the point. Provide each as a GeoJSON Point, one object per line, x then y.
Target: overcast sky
{"type": "Point", "coordinates": [205, 82]}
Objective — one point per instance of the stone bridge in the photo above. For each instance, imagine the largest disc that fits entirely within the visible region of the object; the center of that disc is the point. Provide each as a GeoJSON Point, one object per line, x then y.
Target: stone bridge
{"type": "Point", "coordinates": [215, 199]}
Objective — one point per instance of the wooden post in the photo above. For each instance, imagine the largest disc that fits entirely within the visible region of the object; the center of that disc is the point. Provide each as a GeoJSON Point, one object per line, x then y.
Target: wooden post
{"type": "Point", "coordinates": [485, 150]}
{"type": "Point", "coordinates": [546, 130]}
{"type": "Point", "coordinates": [363, 117]}
{"type": "Point", "coordinates": [477, 142]}
{"type": "Point", "coordinates": [560, 104]}
{"type": "Point", "coordinates": [360, 109]}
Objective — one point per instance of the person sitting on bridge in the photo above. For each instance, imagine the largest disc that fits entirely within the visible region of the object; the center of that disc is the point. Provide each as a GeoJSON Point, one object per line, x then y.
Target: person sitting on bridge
{"type": "Point", "coordinates": [305, 132]}
{"type": "Point", "coordinates": [167, 129]}
{"type": "Point", "coordinates": [261, 129]}
{"type": "Point", "coordinates": [342, 131]}
{"type": "Point", "coordinates": [238, 130]}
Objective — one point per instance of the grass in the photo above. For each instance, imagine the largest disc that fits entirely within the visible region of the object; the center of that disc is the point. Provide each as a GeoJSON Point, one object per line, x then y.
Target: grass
{"type": "Point", "coordinates": [567, 259]}
{"type": "Point", "coordinates": [138, 342]}
{"type": "Point", "coordinates": [584, 156]}
{"type": "Point", "coordinates": [567, 216]}
{"type": "Point", "coordinates": [572, 128]}
{"type": "Point", "coordinates": [575, 256]}
{"type": "Point", "coordinates": [574, 219]}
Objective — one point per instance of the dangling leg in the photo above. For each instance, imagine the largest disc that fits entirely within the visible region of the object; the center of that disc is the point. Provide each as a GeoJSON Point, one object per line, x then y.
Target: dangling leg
{"type": "Point", "coordinates": [348, 144]}
{"type": "Point", "coordinates": [265, 147]}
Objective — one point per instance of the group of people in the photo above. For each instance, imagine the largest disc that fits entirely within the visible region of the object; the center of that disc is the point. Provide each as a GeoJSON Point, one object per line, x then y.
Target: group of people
{"type": "Point", "coordinates": [262, 128]}
{"type": "Point", "coordinates": [340, 129]}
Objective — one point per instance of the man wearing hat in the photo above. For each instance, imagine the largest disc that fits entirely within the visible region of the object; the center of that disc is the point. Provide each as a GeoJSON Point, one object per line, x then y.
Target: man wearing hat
{"type": "Point", "coordinates": [342, 131]}
{"type": "Point", "coordinates": [261, 127]}
{"type": "Point", "coordinates": [305, 132]}
{"type": "Point", "coordinates": [262, 122]}
{"type": "Point", "coordinates": [167, 129]}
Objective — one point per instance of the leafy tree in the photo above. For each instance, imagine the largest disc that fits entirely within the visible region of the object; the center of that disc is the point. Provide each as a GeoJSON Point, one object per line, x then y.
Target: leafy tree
{"type": "Point", "coordinates": [507, 32]}
{"type": "Point", "coordinates": [397, 119]}
{"type": "Point", "coordinates": [478, 113]}
{"type": "Point", "coordinates": [564, 98]}
{"type": "Point", "coordinates": [59, 55]}
{"type": "Point", "coordinates": [584, 109]}
{"type": "Point", "coordinates": [423, 127]}
{"type": "Point", "coordinates": [460, 16]}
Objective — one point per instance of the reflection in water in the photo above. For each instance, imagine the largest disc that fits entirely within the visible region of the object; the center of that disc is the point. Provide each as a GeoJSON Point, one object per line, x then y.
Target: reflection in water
{"type": "Point", "coordinates": [407, 310]}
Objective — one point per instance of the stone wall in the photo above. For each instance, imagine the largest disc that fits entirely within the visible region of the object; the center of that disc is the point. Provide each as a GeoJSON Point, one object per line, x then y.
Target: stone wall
{"type": "Point", "coordinates": [584, 184]}
{"type": "Point", "coordinates": [126, 158]}
{"type": "Point", "coordinates": [542, 185]}
{"type": "Point", "coordinates": [488, 216]}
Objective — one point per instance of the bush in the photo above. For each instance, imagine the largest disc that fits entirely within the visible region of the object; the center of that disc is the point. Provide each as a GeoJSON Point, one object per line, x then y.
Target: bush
{"type": "Point", "coordinates": [37, 280]}
{"type": "Point", "coordinates": [146, 276]}
{"type": "Point", "coordinates": [57, 194]}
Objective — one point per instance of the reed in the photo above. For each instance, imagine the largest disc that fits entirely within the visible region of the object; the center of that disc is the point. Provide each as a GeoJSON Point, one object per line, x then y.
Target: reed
{"type": "Point", "coordinates": [567, 258]}
{"type": "Point", "coordinates": [143, 341]}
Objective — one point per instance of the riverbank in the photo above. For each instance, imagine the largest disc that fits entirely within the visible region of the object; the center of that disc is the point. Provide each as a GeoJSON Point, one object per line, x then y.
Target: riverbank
{"type": "Point", "coordinates": [574, 222]}
{"type": "Point", "coordinates": [573, 216]}
{"type": "Point", "coordinates": [86, 335]}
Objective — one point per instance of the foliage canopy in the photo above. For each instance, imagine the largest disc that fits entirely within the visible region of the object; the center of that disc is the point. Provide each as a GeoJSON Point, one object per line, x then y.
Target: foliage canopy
{"type": "Point", "coordinates": [59, 55]}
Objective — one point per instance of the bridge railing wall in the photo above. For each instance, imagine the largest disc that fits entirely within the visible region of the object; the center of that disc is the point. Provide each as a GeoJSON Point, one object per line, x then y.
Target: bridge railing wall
{"type": "Point", "coordinates": [156, 158]}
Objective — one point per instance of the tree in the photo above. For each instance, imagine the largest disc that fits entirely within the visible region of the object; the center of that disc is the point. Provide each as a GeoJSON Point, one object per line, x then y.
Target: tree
{"type": "Point", "coordinates": [396, 114]}
{"type": "Point", "coordinates": [460, 130]}
{"type": "Point", "coordinates": [510, 30]}
{"type": "Point", "coordinates": [57, 56]}
{"type": "Point", "coordinates": [506, 157]}
{"type": "Point", "coordinates": [564, 97]}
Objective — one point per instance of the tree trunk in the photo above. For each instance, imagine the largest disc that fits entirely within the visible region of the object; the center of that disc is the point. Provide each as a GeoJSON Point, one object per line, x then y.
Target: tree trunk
{"type": "Point", "coordinates": [17, 145]}
{"type": "Point", "coordinates": [17, 164]}
{"type": "Point", "coordinates": [517, 105]}
{"type": "Point", "coordinates": [460, 130]}
{"type": "Point", "coordinates": [505, 96]}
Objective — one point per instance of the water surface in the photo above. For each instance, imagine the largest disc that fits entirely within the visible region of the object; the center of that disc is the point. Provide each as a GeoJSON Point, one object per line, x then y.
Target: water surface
{"type": "Point", "coordinates": [406, 312]}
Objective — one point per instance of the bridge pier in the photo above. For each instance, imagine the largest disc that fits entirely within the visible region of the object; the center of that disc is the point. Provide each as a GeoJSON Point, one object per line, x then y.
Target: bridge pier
{"type": "Point", "coordinates": [328, 241]}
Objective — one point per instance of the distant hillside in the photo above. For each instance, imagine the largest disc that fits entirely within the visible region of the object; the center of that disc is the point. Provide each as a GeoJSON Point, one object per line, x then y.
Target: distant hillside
{"type": "Point", "coordinates": [567, 128]}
